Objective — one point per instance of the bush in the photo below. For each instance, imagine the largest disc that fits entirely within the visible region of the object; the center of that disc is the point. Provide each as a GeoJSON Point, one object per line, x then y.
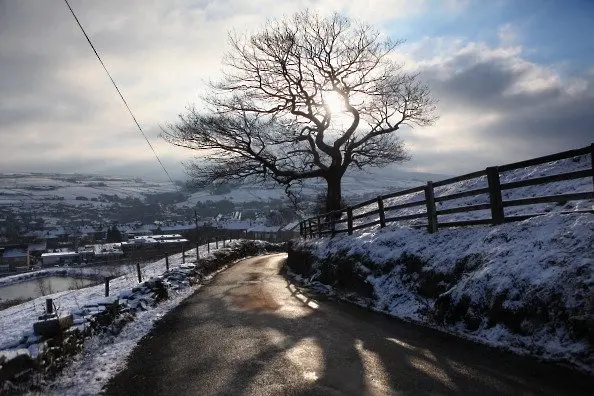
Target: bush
{"type": "Point", "coordinates": [300, 262]}
{"type": "Point", "coordinates": [347, 273]}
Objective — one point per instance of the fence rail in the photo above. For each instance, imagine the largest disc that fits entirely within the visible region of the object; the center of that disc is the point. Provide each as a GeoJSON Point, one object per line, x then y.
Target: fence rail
{"type": "Point", "coordinates": [378, 211]}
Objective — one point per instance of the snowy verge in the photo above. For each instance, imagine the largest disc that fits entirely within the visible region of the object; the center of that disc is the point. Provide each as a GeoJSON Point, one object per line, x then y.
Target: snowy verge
{"type": "Point", "coordinates": [104, 353]}
{"type": "Point", "coordinates": [526, 286]}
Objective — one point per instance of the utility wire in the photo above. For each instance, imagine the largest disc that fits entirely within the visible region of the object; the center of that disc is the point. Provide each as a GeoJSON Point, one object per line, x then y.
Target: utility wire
{"type": "Point", "coordinates": [120, 93]}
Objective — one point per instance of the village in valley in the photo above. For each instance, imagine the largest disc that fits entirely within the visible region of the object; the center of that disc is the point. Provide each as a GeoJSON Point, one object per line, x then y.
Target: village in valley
{"type": "Point", "coordinates": [66, 220]}
{"type": "Point", "coordinates": [75, 219]}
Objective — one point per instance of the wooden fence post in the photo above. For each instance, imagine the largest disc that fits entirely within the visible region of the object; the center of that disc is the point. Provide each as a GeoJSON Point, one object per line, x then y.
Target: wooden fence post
{"type": "Point", "coordinates": [431, 211]}
{"type": "Point", "coordinates": [107, 286]}
{"type": "Point", "coordinates": [319, 226]}
{"type": "Point", "coordinates": [382, 213]}
{"type": "Point", "coordinates": [166, 263]}
{"type": "Point", "coordinates": [208, 245]}
{"type": "Point", "coordinates": [495, 199]}
{"type": "Point", "coordinates": [350, 220]}
{"type": "Point", "coordinates": [138, 272]}
{"type": "Point", "coordinates": [217, 242]}
{"type": "Point", "coordinates": [49, 306]}
{"type": "Point", "coordinates": [332, 224]}
{"type": "Point", "coordinates": [592, 162]}
{"type": "Point", "coordinates": [301, 228]}
{"type": "Point", "coordinates": [309, 228]}
{"type": "Point", "coordinates": [183, 254]}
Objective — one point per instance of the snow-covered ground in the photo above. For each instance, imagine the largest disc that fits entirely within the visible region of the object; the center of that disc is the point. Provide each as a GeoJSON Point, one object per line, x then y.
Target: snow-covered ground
{"type": "Point", "coordinates": [526, 286]}
{"type": "Point", "coordinates": [103, 356]}
{"type": "Point", "coordinates": [37, 188]}
{"type": "Point", "coordinates": [555, 188]}
{"type": "Point", "coordinates": [355, 184]}
{"type": "Point", "coordinates": [18, 319]}
{"type": "Point", "coordinates": [40, 187]}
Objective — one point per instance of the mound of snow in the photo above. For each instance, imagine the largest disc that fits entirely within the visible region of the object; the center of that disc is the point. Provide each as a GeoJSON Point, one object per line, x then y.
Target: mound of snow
{"type": "Point", "coordinates": [526, 286]}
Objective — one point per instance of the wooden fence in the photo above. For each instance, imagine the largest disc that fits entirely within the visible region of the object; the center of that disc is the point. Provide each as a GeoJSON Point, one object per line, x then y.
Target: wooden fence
{"type": "Point", "coordinates": [380, 211]}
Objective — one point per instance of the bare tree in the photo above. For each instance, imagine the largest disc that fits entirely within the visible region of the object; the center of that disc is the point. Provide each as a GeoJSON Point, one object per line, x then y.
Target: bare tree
{"type": "Point", "coordinates": [306, 97]}
{"type": "Point", "coordinates": [44, 288]}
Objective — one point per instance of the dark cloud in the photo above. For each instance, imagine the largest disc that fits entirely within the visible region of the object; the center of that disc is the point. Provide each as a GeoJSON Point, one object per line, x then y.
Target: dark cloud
{"type": "Point", "coordinates": [71, 107]}
{"type": "Point", "coordinates": [58, 111]}
{"type": "Point", "coordinates": [147, 168]}
{"type": "Point", "coordinates": [533, 110]}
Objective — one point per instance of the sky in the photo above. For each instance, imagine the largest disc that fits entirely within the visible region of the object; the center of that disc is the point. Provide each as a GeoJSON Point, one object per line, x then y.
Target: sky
{"type": "Point", "coordinates": [514, 79]}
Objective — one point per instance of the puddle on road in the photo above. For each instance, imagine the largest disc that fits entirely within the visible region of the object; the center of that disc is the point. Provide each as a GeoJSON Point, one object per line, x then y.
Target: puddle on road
{"type": "Point", "coordinates": [253, 298]}
{"type": "Point", "coordinates": [254, 276]}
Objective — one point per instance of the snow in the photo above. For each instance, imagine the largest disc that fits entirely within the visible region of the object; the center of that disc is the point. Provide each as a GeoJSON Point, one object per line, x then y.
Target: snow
{"type": "Point", "coordinates": [41, 187]}
{"type": "Point", "coordinates": [555, 188]}
{"type": "Point", "coordinates": [240, 195]}
{"type": "Point", "coordinates": [17, 319]}
{"type": "Point", "coordinates": [59, 254]}
{"type": "Point", "coordinates": [546, 258]}
{"type": "Point", "coordinates": [103, 356]}
{"type": "Point", "coordinates": [355, 184]}
{"type": "Point", "coordinates": [537, 274]}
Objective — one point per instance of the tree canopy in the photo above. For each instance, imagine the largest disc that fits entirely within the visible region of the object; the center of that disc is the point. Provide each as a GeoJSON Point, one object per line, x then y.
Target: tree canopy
{"type": "Point", "coordinates": [305, 97]}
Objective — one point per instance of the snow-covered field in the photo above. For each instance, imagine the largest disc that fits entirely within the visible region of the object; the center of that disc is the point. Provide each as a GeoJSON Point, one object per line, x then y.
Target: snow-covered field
{"type": "Point", "coordinates": [103, 356]}
{"type": "Point", "coordinates": [18, 319]}
{"type": "Point", "coordinates": [31, 187]}
{"type": "Point", "coordinates": [355, 184]}
{"type": "Point", "coordinates": [34, 188]}
{"type": "Point", "coordinates": [555, 188]}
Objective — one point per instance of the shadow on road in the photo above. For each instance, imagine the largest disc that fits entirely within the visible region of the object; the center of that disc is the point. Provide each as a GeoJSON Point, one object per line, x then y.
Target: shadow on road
{"type": "Point", "coordinates": [237, 337]}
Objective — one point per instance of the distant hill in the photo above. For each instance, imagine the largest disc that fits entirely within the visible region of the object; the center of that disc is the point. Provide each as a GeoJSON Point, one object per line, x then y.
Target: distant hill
{"type": "Point", "coordinates": [355, 185]}
{"type": "Point", "coordinates": [67, 199]}
{"type": "Point", "coordinates": [75, 189]}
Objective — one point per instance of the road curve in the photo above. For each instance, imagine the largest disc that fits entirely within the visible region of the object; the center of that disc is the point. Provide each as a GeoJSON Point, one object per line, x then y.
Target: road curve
{"type": "Point", "coordinates": [251, 332]}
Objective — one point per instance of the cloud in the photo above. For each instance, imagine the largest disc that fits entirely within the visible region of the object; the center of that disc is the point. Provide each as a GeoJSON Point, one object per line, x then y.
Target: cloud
{"type": "Point", "coordinates": [498, 107]}
{"type": "Point", "coordinates": [59, 112]}
{"type": "Point", "coordinates": [507, 34]}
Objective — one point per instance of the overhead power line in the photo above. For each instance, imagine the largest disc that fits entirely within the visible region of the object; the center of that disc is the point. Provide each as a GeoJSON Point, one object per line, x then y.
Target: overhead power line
{"type": "Point", "coordinates": [120, 93]}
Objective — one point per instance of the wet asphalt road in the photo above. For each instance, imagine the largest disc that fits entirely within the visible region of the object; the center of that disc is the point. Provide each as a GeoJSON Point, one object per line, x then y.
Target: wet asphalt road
{"type": "Point", "coordinates": [251, 332]}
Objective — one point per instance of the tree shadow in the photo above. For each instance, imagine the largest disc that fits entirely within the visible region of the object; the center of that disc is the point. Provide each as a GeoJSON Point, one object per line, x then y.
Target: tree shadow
{"type": "Point", "coordinates": [229, 339]}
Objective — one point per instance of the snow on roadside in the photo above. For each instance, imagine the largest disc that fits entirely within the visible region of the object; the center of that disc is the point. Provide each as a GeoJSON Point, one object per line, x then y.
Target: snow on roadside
{"type": "Point", "coordinates": [583, 184]}
{"type": "Point", "coordinates": [16, 320]}
{"type": "Point", "coordinates": [538, 275]}
{"type": "Point", "coordinates": [103, 355]}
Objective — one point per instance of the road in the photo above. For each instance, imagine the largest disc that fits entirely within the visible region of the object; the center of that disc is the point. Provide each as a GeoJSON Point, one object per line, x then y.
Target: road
{"type": "Point", "coordinates": [251, 332]}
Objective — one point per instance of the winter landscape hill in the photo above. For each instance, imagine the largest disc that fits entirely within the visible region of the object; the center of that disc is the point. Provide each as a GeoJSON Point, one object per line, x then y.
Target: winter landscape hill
{"type": "Point", "coordinates": [37, 201]}
{"type": "Point", "coordinates": [525, 286]}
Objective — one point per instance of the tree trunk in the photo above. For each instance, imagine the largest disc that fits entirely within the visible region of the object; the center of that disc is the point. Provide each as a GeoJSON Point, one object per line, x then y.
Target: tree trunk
{"type": "Point", "coordinates": [334, 193]}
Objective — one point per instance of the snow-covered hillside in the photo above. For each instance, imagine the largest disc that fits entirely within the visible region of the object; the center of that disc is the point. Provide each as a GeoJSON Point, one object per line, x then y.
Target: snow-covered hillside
{"type": "Point", "coordinates": [38, 202]}
{"type": "Point", "coordinates": [45, 187]}
{"type": "Point", "coordinates": [38, 187]}
{"type": "Point", "coordinates": [356, 185]}
{"type": "Point", "coordinates": [527, 286]}
{"type": "Point", "coordinates": [555, 188]}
